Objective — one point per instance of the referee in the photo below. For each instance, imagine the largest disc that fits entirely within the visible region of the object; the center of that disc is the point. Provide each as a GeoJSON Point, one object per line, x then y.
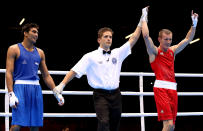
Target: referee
{"type": "Point", "coordinates": [102, 67]}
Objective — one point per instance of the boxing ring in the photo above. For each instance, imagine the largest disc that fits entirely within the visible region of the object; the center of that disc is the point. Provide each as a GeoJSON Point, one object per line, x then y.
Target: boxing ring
{"type": "Point", "coordinates": [141, 95]}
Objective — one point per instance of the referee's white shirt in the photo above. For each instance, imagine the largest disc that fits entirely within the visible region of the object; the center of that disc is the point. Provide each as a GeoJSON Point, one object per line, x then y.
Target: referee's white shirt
{"type": "Point", "coordinates": [102, 70]}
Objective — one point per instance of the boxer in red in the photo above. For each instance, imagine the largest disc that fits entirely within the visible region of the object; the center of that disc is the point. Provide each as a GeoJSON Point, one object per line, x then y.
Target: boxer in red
{"type": "Point", "coordinates": [162, 63]}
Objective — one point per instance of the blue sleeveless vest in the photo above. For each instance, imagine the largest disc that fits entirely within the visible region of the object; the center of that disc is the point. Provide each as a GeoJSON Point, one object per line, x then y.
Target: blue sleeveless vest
{"type": "Point", "coordinates": [27, 65]}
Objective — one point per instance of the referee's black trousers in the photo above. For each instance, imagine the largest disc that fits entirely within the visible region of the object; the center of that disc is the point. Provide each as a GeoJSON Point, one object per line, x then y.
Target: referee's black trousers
{"type": "Point", "coordinates": [108, 107]}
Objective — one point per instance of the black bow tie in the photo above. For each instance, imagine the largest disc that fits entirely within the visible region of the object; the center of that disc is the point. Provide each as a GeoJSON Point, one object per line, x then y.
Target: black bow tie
{"type": "Point", "coordinates": [104, 52]}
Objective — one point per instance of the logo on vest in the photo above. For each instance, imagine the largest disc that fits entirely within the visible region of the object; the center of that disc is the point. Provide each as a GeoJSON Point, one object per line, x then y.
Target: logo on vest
{"type": "Point", "coordinates": [36, 63]}
{"type": "Point", "coordinates": [24, 62]}
{"type": "Point", "coordinates": [171, 54]}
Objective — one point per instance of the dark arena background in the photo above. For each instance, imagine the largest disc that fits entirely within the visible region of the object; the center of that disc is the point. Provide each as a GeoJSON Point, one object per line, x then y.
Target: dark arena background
{"type": "Point", "coordinates": [69, 31]}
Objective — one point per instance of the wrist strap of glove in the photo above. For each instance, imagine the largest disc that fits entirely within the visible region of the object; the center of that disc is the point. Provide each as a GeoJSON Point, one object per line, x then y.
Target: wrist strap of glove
{"type": "Point", "coordinates": [11, 94]}
{"type": "Point", "coordinates": [62, 85]}
{"type": "Point", "coordinates": [194, 21]}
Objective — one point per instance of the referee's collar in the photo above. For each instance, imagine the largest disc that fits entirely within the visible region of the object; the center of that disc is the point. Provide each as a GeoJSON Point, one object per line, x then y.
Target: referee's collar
{"type": "Point", "coordinates": [101, 50]}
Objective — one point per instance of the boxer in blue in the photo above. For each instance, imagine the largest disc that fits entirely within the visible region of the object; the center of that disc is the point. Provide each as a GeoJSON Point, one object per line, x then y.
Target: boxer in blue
{"type": "Point", "coordinates": [25, 93]}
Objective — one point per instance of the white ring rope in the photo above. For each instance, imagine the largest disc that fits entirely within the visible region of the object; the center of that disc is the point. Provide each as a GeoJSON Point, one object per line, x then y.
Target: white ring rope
{"type": "Point", "coordinates": [94, 115]}
{"type": "Point", "coordinates": [7, 114]}
{"type": "Point", "coordinates": [125, 93]}
{"type": "Point", "coordinates": [125, 73]}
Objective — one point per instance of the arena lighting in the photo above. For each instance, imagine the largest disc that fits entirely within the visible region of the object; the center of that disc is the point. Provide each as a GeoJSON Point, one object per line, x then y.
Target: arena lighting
{"type": "Point", "coordinates": [21, 22]}
{"type": "Point", "coordinates": [194, 40]}
{"type": "Point", "coordinates": [128, 36]}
